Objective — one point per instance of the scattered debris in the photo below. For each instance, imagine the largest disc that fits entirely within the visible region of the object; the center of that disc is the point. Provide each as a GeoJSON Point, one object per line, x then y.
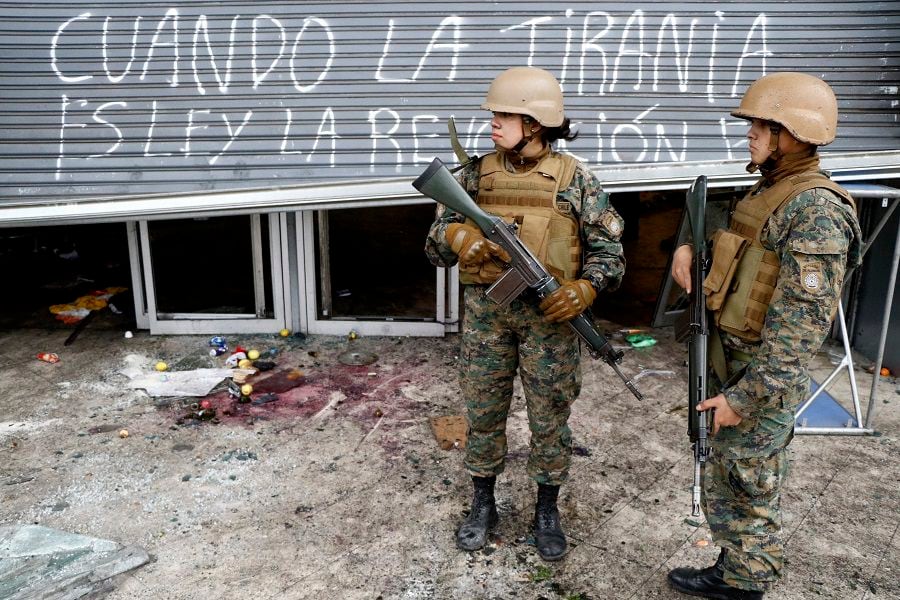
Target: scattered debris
{"type": "Point", "coordinates": [357, 358]}
{"type": "Point", "coordinates": [450, 431]}
{"type": "Point", "coordinates": [334, 398]}
{"type": "Point", "coordinates": [198, 413]}
{"type": "Point", "coordinates": [235, 359]}
{"type": "Point", "coordinates": [83, 306]}
{"type": "Point", "coordinates": [48, 357]}
{"type": "Point", "coordinates": [106, 428]}
{"type": "Point", "coordinates": [198, 382]}
{"type": "Point", "coordinates": [264, 399]}
{"type": "Point", "coordinates": [701, 543]}
{"type": "Point", "coordinates": [217, 346]}
{"type": "Point", "coordinates": [239, 454]}
{"type": "Point", "coordinates": [640, 340]}
{"type": "Point", "coordinates": [653, 372]}
{"type": "Point", "coordinates": [240, 375]}
{"type": "Point", "coordinates": [542, 573]}
{"type": "Point", "coordinates": [40, 562]}
{"type": "Point", "coordinates": [80, 326]}
{"type": "Point", "coordinates": [123, 433]}
{"type": "Point", "coordinates": [371, 431]}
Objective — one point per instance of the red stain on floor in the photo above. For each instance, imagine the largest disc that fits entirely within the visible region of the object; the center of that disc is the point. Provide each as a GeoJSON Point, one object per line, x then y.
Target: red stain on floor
{"type": "Point", "coordinates": [278, 381]}
{"type": "Point", "coordinates": [363, 393]}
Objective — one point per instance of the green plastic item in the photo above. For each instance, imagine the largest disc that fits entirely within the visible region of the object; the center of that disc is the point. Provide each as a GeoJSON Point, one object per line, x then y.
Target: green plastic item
{"type": "Point", "coordinates": [640, 340]}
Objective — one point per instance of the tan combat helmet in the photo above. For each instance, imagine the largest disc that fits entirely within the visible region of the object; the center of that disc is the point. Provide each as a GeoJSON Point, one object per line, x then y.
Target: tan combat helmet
{"type": "Point", "coordinates": [527, 91]}
{"type": "Point", "coordinates": [803, 104]}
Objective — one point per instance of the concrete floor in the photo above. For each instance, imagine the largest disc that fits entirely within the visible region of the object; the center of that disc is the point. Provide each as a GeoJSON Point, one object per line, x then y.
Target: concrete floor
{"type": "Point", "coordinates": [338, 489]}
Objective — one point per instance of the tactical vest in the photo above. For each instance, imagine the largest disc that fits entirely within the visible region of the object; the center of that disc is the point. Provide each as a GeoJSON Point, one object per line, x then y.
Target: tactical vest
{"type": "Point", "coordinates": [550, 230]}
{"type": "Point", "coordinates": [744, 274]}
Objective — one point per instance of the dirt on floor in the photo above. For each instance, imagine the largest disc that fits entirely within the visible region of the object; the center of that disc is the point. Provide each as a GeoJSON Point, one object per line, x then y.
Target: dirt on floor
{"type": "Point", "coordinates": [337, 487]}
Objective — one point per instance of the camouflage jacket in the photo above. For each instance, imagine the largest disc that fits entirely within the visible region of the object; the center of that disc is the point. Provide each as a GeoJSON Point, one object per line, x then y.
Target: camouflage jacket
{"type": "Point", "coordinates": [601, 227]}
{"type": "Point", "coordinates": [815, 232]}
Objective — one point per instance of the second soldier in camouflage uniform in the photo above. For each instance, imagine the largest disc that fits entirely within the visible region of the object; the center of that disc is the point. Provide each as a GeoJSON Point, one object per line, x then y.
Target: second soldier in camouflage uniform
{"type": "Point", "coordinates": [565, 219]}
{"type": "Point", "coordinates": [790, 243]}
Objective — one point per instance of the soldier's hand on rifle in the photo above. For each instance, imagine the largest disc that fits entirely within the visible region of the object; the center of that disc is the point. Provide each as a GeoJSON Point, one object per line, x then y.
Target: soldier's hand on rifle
{"type": "Point", "coordinates": [477, 254]}
{"type": "Point", "coordinates": [570, 300]}
{"type": "Point", "coordinates": [723, 414]}
{"type": "Point", "coordinates": [681, 266]}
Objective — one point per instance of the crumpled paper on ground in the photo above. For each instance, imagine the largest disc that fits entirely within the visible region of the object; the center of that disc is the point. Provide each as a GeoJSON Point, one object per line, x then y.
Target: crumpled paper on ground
{"type": "Point", "coordinates": [196, 382]}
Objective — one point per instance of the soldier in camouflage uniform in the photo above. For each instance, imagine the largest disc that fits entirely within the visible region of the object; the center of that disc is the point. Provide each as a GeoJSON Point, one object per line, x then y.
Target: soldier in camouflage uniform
{"type": "Point", "coordinates": [565, 219]}
{"type": "Point", "coordinates": [789, 244]}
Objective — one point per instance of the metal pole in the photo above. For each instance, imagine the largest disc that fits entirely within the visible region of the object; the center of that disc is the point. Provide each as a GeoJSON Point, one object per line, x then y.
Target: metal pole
{"type": "Point", "coordinates": [833, 430]}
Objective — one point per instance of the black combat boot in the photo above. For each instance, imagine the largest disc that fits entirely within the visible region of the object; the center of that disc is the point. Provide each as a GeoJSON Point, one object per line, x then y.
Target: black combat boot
{"type": "Point", "coordinates": [708, 583]}
{"type": "Point", "coordinates": [472, 534]}
{"type": "Point", "coordinates": [548, 534]}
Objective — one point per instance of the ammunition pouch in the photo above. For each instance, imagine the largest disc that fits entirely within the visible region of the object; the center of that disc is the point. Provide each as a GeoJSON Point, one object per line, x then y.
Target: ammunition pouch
{"type": "Point", "coordinates": [728, 248]}
{"type": "Point", "coordinates": [743, 275]}
{"type": "Point", "coordinates": [528, 200]}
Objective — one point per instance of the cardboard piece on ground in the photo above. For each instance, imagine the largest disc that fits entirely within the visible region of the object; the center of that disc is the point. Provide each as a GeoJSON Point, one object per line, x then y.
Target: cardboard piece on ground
{"type": "Point", "coordinates": [450, 431]}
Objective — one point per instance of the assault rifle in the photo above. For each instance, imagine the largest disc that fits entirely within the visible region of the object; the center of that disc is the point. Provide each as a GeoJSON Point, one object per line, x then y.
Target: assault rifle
{"type": "Point", "coordinates": [693, 326]}
{"type": "Point", "coordinates": [525, 270]}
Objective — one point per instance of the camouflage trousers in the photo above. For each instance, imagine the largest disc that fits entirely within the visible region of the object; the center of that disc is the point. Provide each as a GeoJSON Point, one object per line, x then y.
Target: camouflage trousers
{"type": "Point", "coordinates": [498, 342]}
{"type": "Point", "coordinates": [743, 508]}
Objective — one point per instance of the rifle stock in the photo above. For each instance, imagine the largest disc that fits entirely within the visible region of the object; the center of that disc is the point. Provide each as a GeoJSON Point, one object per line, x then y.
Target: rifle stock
{"type": "Point", "coordinates": [525, 270]}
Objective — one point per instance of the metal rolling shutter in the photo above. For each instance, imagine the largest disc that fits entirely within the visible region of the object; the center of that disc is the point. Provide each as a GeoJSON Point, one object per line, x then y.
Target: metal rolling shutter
{"type": "Point", "coordinates": [113, 99]}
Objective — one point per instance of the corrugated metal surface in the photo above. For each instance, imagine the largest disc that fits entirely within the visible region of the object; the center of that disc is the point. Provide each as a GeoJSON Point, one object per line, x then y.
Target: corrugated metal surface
{"type": "Point", "coordinates": [136, 97]}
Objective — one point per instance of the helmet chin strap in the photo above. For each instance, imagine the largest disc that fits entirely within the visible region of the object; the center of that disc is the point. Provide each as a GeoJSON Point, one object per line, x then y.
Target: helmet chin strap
{"type": "Point", "coordinates": [527, 136]}
{"type": "Point", "coordinates": [774, 153]}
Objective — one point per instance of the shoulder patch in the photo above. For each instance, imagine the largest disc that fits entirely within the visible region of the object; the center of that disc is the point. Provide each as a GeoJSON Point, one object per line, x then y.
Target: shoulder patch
{"type": "Point", "coordinates": [611, 222]}
{"type": "Point", "coordinates": [811, 277]}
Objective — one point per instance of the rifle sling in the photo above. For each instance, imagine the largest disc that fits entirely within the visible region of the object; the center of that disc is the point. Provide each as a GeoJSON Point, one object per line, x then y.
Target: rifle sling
{"type": "Point", "coordinates": [720, 363]}
{"type": "Point", "coordinates": [458, 150]}
{"type": "Point", "coordinates": [717, 355]}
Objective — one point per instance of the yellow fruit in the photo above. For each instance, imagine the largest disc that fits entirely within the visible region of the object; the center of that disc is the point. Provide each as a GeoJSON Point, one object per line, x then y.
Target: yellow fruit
{"type": "Point", "coordinates": [244, 363]}
{"type": "Point", "coordinates": [253, 354]}
{"type": "Point", "coordinates": [161, 366]}
{"type": "Point", "coordinates": [246, 389]}
{"type": "Point", "coordinates": [284, 332]}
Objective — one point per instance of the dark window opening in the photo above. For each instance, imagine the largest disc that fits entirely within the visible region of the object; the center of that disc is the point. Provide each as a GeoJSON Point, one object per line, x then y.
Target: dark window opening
{"type": "Point", "coordinates": [56, 265]}
{"type": "Point", "coordinates": [377, 264]}
{"type": "Point", "coordinates": [206, 265]}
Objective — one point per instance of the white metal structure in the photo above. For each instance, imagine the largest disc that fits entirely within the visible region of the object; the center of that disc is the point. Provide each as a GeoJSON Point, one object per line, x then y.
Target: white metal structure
{"type": "Point", "coordinates": [854, 423]}
{"type": "Point", "coordinates": [309, 319]}
{"type": "Point", "coordinates": [218, 323]}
